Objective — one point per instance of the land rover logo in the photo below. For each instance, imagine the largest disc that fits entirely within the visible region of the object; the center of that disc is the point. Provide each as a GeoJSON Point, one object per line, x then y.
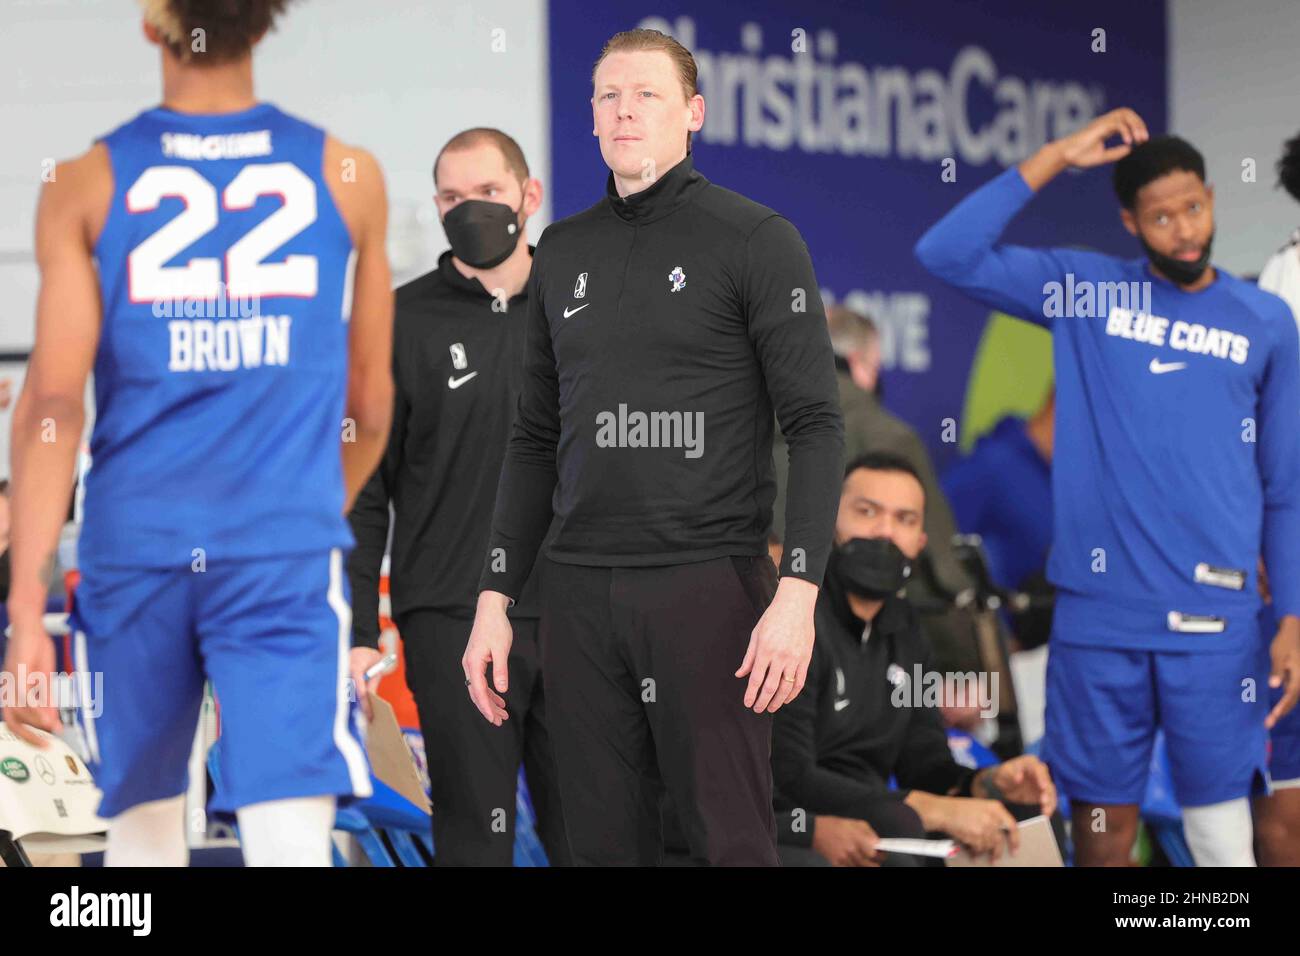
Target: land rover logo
{"type": "Point", "coordinates": [15, 770]}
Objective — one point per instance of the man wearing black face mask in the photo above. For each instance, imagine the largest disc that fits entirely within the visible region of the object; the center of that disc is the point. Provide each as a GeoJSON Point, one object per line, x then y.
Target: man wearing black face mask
{"type": "Point", "coordinates": [457, 364]}
{"type": "Point", "coordinates": [861, 720]}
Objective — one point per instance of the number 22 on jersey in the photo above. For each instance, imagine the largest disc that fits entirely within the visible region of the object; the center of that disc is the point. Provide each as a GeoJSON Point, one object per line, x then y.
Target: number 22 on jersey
{"type": "Point", "coordinates": [247, 275]}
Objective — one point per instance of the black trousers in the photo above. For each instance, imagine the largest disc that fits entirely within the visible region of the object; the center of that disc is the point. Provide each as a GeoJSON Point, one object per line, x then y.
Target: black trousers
{"type": "Point", "coordinates": [473, 766]}
{"type": "Point", "coordinates": [639, 667]}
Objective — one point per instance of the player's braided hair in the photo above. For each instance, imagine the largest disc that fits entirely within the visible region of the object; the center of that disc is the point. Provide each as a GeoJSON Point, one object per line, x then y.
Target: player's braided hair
{"type": "Point", "coordinates": [1288, 167]}
{"type": "Point", "coordinates": [211, 31]}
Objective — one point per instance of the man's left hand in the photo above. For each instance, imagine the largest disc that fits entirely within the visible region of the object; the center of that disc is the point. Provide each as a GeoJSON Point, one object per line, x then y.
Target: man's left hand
{"type": "Point", "coordinates": [780, 647]}
{"type": "Point", "coordinates": [1285, 652]}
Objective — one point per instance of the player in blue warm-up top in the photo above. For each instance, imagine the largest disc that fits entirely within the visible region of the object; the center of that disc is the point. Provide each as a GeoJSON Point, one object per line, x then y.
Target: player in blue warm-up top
{"type": "Point", "coordinates": [1177, 464]}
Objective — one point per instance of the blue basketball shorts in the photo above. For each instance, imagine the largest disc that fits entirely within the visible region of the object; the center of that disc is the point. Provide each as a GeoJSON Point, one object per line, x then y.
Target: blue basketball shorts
{"type": "Point", "coordinates": [1105, 704]}
{"type": "Point", "coordinates": [272, 635]}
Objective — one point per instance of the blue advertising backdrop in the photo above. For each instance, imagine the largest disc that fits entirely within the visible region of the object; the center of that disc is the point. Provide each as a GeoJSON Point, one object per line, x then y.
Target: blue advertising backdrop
{"type": "Point", "coordinates": [864, 122]}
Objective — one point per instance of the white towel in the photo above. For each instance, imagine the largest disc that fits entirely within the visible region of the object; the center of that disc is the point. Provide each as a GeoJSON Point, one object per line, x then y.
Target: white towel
{"type": "Point", "coordinates": [1281, 274]}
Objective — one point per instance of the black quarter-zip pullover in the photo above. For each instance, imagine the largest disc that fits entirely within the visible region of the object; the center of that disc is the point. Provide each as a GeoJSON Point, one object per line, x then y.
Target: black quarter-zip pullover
{"type": "Point", "coordinates": [856, 723]}
{"type": "Point", "coordinates": [457, 367]}
{"type": "Point", "coordinates": [663, 330]}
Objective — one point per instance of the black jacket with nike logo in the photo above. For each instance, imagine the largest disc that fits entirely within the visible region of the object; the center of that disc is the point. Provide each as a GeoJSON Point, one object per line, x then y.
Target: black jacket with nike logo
{"type": "Point", "coordinates": [663, 330]}
{"type": "Point", "coordinates": [856, 724]}
{"type": "Point", "coordinates": [457, 367]}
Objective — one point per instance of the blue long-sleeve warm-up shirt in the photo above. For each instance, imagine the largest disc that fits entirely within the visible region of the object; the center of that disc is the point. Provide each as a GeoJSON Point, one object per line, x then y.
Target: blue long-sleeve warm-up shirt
{"type": "Point", "coordinates": [1177, 429]}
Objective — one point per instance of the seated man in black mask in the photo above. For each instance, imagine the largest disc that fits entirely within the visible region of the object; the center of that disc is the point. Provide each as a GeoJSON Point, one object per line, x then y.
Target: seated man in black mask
{"type": "Point", "coordinates": [869, 710]}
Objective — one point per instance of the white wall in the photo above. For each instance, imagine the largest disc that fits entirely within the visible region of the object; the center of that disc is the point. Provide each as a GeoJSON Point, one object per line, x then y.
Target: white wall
{"type": "Point", "coordinates": [1234, 85]}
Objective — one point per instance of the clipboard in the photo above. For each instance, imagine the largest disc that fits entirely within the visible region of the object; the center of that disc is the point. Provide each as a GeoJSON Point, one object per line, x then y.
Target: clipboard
{"type": "Point", "coordinates": [1037, 848]}
{"type": "Point", "coordinates": [390, 756]}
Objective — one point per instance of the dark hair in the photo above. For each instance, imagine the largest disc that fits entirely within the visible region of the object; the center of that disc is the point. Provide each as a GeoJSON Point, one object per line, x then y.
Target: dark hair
{"type": "Point", "coordinates": [229, 27]}
{"type": "Point", "coordinates": [468, 139]}
{"type": "Point", "coordinates": [1149, 161]}
{"type": "Point", "coordinates": [883, 461]}
{"type": "Point", "coordinates": [1288, 167]}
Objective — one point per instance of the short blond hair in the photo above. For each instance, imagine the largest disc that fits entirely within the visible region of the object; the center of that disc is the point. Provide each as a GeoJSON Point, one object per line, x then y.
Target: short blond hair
{"type": "Point", "coordinates": [641, 40]}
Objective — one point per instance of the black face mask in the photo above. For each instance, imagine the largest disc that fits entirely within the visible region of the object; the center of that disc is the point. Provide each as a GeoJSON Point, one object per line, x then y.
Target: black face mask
{"type": "Point", "coordinates": [482, 234]}
{"type": "Point", "coordinates": [870, 567]}
{"type": "Point", "coordinates": [1180, 272]}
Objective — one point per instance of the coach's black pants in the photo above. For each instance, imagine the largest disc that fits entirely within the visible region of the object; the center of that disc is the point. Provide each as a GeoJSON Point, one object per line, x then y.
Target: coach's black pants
{"type": "Point", "coordinates": [473, 766]}
{"type": "Point", "coordinates": [639, 666]}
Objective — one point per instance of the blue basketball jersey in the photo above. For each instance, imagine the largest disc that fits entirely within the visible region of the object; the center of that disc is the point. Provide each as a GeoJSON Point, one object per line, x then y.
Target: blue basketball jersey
{"type": "Point", "coordinates": [221, 373]}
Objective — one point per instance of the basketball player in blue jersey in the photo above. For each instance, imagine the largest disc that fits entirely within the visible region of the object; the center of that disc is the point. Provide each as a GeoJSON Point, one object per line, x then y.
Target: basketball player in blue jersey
{"type": "Point", "coordinates": [1176, 466]}
{"type": "Point", "coordinates": [197, 260]}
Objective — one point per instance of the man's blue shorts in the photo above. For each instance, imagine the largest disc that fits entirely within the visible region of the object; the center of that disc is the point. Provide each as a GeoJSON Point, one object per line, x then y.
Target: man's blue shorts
{"type": "Point", "coordinates": [1104, 706]}
{"type": "Point", "coordinates": [273, 636]}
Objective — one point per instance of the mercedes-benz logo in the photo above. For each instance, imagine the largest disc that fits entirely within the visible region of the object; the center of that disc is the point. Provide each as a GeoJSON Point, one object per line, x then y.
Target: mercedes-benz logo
{"type": "Point", "coordinates": [44, 770]}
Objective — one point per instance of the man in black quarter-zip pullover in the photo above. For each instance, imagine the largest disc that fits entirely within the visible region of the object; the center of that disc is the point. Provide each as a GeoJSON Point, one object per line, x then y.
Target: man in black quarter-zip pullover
{"type": "Point", "coordinates": [666, 324]}
{"type": "Point", "coordinates": [457, 367]}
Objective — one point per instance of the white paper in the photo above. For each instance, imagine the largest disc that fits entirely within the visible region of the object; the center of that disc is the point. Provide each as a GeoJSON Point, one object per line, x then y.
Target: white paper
{"type": "Point", "coordinates": [935, 848]}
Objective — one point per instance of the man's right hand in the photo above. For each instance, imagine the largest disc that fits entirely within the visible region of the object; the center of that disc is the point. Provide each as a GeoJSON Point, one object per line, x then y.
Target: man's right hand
{"type": "Point", "coordinates": [489, 643]}
{"type": "Point", "coordinates": [845, 842]}
{"type": "Point", "coordinates": [360, 660]}
{"type": "Point", "coordinates": [982, 826]}
{"type": "Point", "coordinates": [1086, 147]}
{"type": "Point", "coordinates": [30, 663]}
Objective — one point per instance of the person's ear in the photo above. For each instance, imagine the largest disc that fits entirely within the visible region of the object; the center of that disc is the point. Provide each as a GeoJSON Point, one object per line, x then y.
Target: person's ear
{"type": "Point", "coordinates": [533, 193]}
{"type": "Point", "coordinates": [151, 33]}
{"type": "Point", "coordinates": [696, 105]}
{"type": "Point", "coordinates": [1129, 220]}
{"type": "Point", "coordinates": [924, 540]}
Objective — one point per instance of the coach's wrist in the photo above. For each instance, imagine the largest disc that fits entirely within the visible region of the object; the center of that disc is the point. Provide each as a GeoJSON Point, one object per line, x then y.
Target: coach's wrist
{"type": "Point", "coordinates": [494, 601]}
{"type": "Point", "coordinates": [797, 590]}
{"type": "Point", "coordinates": [802, 587]}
